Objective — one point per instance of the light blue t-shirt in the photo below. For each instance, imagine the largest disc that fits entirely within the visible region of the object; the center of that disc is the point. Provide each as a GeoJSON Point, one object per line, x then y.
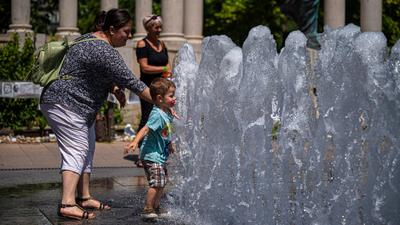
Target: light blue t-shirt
{"type": "Point", "coordinates": [155, 145]}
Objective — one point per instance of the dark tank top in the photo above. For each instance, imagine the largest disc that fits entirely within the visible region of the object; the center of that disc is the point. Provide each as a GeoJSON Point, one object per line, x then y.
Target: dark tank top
{"type": "Point", "coordinates": [154, 58]}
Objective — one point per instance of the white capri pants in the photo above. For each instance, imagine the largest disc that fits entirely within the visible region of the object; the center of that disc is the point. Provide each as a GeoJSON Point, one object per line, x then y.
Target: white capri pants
{"type": "Point", "coordinates": [76, 141]}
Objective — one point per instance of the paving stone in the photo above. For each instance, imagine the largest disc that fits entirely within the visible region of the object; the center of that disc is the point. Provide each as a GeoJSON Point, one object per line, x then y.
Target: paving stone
{"type": "Point", "coordinates": [23, 216]}
{"type": "Point", "coordinates": [30, 187]}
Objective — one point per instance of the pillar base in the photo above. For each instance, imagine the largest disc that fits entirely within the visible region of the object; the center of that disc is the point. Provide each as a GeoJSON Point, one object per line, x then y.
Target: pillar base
{"type": "Point", "coordinates": [138, 36]}
{"type": "Point", "coordinates": [20, 28]}
{"type": "Point", "coordinates": [195, 41]}
{"type": "Point", "coordinates": [22, 34]}
{"type": "Point", "coordinates": [173, 41]}
{"type": "Point", "coordinates": [69, 32]}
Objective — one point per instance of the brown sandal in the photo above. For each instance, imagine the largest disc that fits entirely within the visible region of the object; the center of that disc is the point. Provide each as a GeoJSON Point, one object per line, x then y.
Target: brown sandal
{"type": "Point", "coordinates": [85, 214]}
{"type": "Point", "coordinates": [102, 206]}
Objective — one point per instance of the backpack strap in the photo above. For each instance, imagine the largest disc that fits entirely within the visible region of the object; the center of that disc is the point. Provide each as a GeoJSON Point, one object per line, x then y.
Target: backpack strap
{"type": "Point", "coordinates": [84, 40]}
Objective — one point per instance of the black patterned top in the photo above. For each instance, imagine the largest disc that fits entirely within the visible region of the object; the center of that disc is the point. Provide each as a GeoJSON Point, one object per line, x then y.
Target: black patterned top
{"type": "Point", "coordinates": [93, 66]}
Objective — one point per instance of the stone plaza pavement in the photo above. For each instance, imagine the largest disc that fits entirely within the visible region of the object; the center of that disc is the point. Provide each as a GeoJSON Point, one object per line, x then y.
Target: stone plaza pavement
{"type": "Point", "coordinates": [30, 186]}
{"type": "Point", "coordinates": [46, 155]}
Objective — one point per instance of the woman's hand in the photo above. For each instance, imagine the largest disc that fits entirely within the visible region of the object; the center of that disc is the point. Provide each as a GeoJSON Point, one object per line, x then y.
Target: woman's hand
{"type": "Point", "coordinates": [120, 95]}
{"type": "Point", "coordinates": [166, 71]}
{"type": "Point", "coordinates": [145, 94]}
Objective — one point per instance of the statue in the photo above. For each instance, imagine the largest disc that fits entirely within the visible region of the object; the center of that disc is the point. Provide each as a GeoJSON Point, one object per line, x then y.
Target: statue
{"type": "Point", "coordinates": [305, 14]}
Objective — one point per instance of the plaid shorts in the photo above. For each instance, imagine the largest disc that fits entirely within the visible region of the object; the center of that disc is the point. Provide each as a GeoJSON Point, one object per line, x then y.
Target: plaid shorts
{"type": "Point", "coordinates": [156, 174]}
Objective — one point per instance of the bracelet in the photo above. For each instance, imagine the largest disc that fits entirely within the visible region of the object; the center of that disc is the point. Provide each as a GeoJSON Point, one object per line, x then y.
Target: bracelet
{"type": "Point", "coordinates": [165, 69]}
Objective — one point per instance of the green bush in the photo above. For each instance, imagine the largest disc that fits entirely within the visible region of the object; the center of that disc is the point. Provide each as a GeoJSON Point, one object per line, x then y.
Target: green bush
{"type": "Point", "coordinates": [109, 107]}
{"type": "Point", "coordinates": [15, 63]}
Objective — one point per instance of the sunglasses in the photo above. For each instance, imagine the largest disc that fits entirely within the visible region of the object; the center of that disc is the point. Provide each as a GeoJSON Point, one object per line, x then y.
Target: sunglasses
{"type": "Point", "coordinates": [152, 18]}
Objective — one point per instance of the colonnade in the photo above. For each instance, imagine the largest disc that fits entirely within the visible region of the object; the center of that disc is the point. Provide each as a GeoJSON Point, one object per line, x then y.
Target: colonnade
{"type": "Point", "coordinates": [370, 18]}
{"type": "Point", "coordinates": [182, 19]}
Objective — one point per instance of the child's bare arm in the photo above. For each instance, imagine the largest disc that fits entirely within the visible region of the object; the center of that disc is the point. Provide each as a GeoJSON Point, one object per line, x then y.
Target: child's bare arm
{"type": "Point", "coordinates": [139, 136]}
{"type": "Point", "coordinates": [174, 114]}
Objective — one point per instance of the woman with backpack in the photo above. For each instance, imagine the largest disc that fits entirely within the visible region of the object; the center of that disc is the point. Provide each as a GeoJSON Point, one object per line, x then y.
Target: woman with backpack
{"type": "Point", "coordinates": [91, 69]}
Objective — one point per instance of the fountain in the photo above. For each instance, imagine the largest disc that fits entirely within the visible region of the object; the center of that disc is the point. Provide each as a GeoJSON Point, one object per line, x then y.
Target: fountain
{"type": "Point", "coordinates": [268, 138]}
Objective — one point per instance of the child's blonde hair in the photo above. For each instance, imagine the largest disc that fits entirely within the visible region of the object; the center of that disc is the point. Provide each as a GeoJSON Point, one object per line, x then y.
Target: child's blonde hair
{"type": "Point", "coordinates": [160, 86]}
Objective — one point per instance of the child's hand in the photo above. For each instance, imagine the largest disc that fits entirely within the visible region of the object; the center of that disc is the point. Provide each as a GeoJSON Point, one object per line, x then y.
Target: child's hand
{"type": "Point", "coordinates": [174, 114]}
{"type": "Point", "coordinates": [171, 148]}
{"type": "Point", "coordinates": [132, 146]}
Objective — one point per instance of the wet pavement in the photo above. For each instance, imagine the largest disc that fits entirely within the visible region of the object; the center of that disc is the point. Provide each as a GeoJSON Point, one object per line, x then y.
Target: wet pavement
{"type": "Point", "coordinates": [31, 195]}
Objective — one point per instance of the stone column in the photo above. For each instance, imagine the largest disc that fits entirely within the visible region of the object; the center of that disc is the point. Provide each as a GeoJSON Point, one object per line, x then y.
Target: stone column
{"type": "Point", "coordinates": [108, 4]}
{"type": "Point", "coordinates": [20, 16]}
{"type": "Point", "coordinates": [193, 23]}
{"type": "Point", "coordinates": [371, 15]}
{"type": "Point", "coordinates": [68, 10]}
{"type": "Point", "coordinates": [334, 13]}
{"type": "Point", "coordinates": [172, 15]}
{"type": "Point", "coordinates": [142, 9]}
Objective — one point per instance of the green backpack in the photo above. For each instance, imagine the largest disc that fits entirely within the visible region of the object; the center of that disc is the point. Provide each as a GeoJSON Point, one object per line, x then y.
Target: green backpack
{"type": "Point", "coordinates": [48, 61]}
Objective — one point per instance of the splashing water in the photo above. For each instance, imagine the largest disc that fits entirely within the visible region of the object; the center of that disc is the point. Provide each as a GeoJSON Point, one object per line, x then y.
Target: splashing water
{"type": "Point", "coordinates": [268, 138]}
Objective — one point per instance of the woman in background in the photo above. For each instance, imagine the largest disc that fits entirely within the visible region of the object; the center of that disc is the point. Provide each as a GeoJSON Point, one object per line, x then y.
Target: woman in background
{"type": "Point", "coordinates": [152, 56]}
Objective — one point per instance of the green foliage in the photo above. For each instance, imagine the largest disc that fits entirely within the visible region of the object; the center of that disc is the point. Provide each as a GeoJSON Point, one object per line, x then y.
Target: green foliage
{"type": "Point", "coordinates": [157, 7]}
{"type": "Point", "coordinates": [391, 20]}
{"type": "Point", "coordinates": [117, 115]}
{"type": "Point", "coordinates": [42, 16]}
{"type": "Point", "coordinates": [15, 63]}
{"type": "Point", "coordinates": [352, 12]}
{"type": "Point", "coordinates": [235, 18]}
{"type": "Point", "coordinates": [107, 107]}
{"type": "Point", "coordinates": [127, 4]}
{"type": "Point", "coordinates": [5, 18]}
{"type": "Point", "coordinates": [88, 10]}
{"type": "Point", "coordinates": [130, 6]}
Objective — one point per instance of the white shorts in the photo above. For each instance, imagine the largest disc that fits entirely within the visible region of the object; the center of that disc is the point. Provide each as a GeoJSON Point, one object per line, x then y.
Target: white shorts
{"type": "Point", "coordinates": [76, 141]}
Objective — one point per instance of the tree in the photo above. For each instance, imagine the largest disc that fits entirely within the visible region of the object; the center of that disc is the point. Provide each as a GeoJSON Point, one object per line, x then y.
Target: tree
{"type": "Point", "coordinates": [5, 19]}
{"type": "Point", "coordinates": [391, 20]}
{"type": "Point", "coordinates": [235, 18]}
{"type": "Point", "coordinates": [16, 62]}
{"type": "Point", "coordinates": [87, 12]}
{"type": "Point", "coordinates": [43, 16]}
